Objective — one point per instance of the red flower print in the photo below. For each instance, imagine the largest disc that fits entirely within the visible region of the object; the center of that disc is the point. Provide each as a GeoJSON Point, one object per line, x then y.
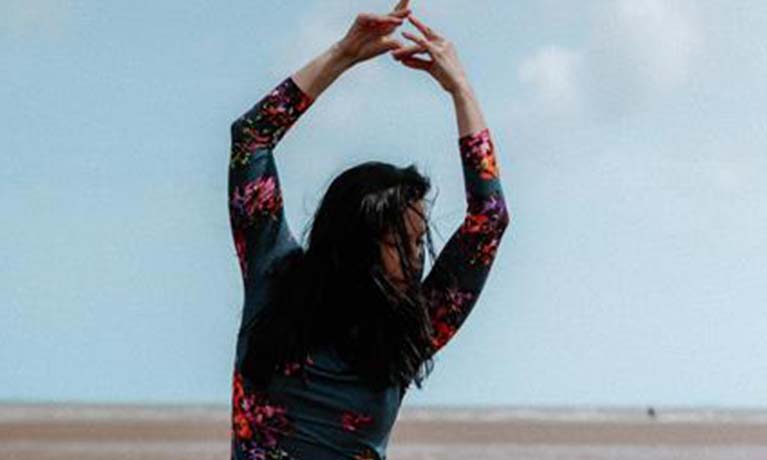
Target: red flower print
{"type": "Point", "coordinates": [242, 427]}
{"type": "Point", "coordinates": [483, 226]}
{"type": "Point", "coordinates": [254, 417]}
{"type": "Point", "coordinates": [474, 223]}
{"type": "Point", "coordinates": [352, 421]}
{"type": "Point", "coordinates": [442, 334]}
{"type": "Point", "coordinates": [447, 311]}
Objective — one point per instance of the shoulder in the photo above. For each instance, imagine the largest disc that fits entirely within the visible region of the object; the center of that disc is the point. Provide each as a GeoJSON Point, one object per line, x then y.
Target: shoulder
{"type": "Point", "coordinates": [284, 262]}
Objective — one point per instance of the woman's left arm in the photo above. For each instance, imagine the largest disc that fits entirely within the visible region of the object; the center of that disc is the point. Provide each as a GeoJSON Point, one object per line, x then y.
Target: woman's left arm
{"type": "Point", "coordinates": [459, 273]}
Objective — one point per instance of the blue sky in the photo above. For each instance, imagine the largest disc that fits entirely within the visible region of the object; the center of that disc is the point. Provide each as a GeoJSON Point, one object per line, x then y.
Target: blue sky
{"type": "Point", "coordinates": [631, 139]}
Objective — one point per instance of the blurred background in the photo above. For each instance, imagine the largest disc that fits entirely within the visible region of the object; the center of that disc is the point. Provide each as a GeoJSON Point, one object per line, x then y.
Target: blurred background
{"type": "Point", "coordinates": [631, 143]}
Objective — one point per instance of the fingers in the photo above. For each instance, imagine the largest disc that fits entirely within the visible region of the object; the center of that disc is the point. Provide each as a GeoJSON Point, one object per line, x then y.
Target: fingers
{"type": "Point", "coordinates": [400, 13]}
{"type": "Point", "coordinates": [391, 44]}
{"type": "Point", "coordinates": [401, 5]}
{"type": "Point", "coordinates": [426, 30]}
{"type": "Point", "coordinates": [421, 41]}
{"type": "Point", "coordinates": [375, 19]}
{"type": "Point", "coordinates": [416, 63]}
{"type": "Point", "coordinates": [408, 51]}
{"type": "Point", "coordinates": [388, 19]}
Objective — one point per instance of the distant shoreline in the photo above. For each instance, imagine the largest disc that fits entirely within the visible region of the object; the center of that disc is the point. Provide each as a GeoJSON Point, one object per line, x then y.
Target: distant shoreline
{"type": "Point", "coordinates": [414, 423]}
{"type": "Point", "coordinates": [10, 410]}
{"type": "Point", "coordinates": [77, 431]}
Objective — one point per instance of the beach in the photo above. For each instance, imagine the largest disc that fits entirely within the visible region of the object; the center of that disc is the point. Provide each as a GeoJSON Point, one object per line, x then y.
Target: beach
{"type": "Point", "coordinates": [168, 432]}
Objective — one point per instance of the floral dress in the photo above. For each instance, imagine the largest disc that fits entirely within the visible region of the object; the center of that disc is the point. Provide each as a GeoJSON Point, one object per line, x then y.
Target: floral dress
{"type": "Point", "coordinates": [319, 409]}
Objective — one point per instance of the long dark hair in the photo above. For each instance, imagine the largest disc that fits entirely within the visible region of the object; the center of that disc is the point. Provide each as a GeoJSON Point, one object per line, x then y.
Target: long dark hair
{"type": "Point", "coordinates": [336, 293]}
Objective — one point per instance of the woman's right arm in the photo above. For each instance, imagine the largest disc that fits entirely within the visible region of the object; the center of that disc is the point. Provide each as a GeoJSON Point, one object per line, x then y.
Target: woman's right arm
{"type": "Point", "coordinates": [257, 217]}
{"type": "Point", "coordinates": [256, 211]}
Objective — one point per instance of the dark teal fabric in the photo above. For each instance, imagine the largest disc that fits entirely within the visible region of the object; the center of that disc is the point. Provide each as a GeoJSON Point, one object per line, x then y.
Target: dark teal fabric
{"type": "Point", "coordinates": [322, 410]}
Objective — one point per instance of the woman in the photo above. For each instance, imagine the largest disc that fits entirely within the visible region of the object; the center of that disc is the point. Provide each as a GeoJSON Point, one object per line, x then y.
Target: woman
{"type": "Point", "coordinates": [333, 335]}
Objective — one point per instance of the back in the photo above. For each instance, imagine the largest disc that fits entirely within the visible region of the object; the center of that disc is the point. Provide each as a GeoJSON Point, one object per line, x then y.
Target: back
{"type": "Point", "coordinates": [323, 410]}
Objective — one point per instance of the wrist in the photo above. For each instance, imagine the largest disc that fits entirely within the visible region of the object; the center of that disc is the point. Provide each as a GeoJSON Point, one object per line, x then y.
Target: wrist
{"type": "Point", "coordinates": [462, 91]}
{"type": "Point", "coordinates": [338, 58]}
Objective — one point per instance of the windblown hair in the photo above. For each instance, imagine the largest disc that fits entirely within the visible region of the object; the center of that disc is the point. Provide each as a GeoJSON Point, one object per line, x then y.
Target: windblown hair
{"type": "Point", "coordinates": [336, 292]}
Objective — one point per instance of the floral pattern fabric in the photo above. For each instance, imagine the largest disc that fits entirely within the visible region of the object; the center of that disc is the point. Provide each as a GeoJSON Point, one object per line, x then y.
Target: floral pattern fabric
{"type": "Point", "coordinates": [317, 409]}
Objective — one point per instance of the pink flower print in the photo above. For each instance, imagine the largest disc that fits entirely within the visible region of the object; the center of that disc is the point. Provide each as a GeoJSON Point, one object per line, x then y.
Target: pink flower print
{"type": "Point", "coordinates": [261, 196]}
{"type": "Point", "coordinates": [280, 115]}
{"type": "Point", "coordinates": [352, 421]}
{"type": "Point", "coordinates": [479, 152]}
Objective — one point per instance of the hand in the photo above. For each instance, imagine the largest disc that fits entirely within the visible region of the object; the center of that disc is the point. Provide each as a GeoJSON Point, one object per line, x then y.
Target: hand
{"type": "Point", "coordinates": [370, 33]}
{"type": "Point", "coordinates": [444, 65]}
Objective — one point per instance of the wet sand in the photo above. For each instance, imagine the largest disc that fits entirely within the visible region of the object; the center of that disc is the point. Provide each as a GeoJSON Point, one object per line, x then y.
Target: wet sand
{"type": "Point", "coordinates": [116, 432]}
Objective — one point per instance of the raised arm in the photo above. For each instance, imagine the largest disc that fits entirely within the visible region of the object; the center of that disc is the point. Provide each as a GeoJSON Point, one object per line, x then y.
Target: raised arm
{"type": "Point", "coordinates": [455, 281]}
{"type": "Point", "coordinates": [256, 212]}
{"type": "Point", "coordinates": [255, 197]}
{"type": "Point", "coordinates": [459, 273]}
{"type": "Point", "coordinates": [257, 218]}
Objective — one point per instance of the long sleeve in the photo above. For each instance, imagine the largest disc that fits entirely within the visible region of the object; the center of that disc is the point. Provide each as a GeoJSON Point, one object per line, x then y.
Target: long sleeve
{"type": "Point", "coordinates": [459, 273]}
{"type": "Point", "coordinates": [257, 218]}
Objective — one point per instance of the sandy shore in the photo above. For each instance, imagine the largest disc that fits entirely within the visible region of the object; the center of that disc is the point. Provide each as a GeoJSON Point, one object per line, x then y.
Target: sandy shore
{"type": "Point", "coordinates": [89, 432]}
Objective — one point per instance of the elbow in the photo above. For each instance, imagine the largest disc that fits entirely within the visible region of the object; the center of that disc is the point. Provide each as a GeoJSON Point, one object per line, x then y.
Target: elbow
{"type": "Point", "coordinates": [502, 215]}
{"type": "Point", "coordinates": [503, 218]}
{"type": "Point", "coordinates": [489, 214]}
{"type": "Point", "coordinates": [235, 129]}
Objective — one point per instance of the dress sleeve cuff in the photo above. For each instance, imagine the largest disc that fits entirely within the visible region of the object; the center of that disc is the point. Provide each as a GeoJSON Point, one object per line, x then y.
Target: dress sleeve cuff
{"type": "Point", "coordinates": [478, 153]}
{"type": "Point", "coordinates": [302, 99]}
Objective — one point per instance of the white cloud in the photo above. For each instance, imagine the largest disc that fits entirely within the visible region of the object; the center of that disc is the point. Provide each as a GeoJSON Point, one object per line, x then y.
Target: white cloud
{"type": "Point", "coordinates": [24, 18]}
{"type": "Point", "coordinates": [641, 51]}
{"type": "Point", "coordinates": [552, 71]}
{"type": "Point", "coordinates": [638, 53]}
